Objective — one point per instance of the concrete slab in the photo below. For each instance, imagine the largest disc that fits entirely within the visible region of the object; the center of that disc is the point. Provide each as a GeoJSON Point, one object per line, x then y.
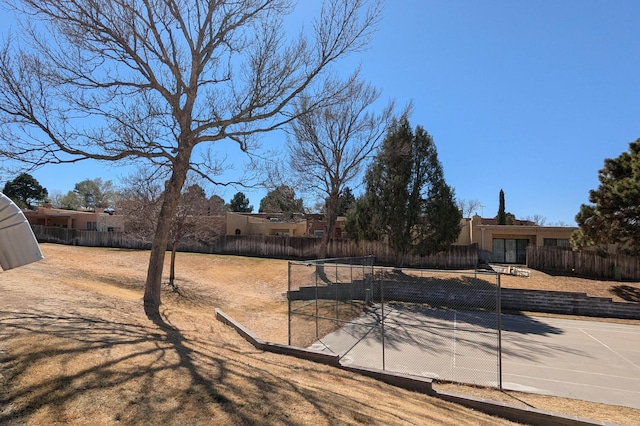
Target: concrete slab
{"type": "Point", "coordinates": [587, 360]}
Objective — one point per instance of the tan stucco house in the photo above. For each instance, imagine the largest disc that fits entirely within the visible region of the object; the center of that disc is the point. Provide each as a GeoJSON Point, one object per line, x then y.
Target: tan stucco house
{"type": "Point", "coordinates": [300, 225]}
{"type": "Point", "coordinates": [266, 224]}
{"type": "Point", "coordinates": [496, 243]}
{"type": "Point", "coordinates": [508, 243]}
{"type": "Point", "coordinates": [95, 220]}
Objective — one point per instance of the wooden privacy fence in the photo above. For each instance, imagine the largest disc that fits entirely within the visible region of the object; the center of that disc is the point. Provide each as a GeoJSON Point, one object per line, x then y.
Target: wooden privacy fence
{"type": "Point", "coordinates": [301, 248]}
{"type": "Point", "coordinates": [585, 263]}
{"type": "Point", "coordinates": [51, 234]}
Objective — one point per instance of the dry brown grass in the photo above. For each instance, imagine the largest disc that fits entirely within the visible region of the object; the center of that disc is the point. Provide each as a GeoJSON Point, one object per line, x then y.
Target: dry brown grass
{"type": "Point", "coordinates": [76, 348]}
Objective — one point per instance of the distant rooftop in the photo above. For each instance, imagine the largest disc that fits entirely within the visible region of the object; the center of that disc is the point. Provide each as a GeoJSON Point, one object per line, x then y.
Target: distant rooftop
{"type": "Point", "coordinates": [519, 222]}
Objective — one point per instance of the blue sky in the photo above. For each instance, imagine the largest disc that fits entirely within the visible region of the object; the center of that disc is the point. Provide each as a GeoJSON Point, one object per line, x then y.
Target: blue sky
{"type": "Point", "coordinates": [528, 97]}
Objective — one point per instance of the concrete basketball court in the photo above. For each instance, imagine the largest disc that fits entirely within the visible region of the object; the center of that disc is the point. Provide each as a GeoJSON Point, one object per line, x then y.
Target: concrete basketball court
{"type": "Point", "coordinates": [586, 360]}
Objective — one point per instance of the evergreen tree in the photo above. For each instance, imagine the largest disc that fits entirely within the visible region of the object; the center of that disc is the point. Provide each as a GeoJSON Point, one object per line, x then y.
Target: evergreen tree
{"type": "Point", "coordinates": [443, 219]}
{"type": "Point", "coordinates": [614, 213]}
{"type": "Point", "coordinates": [502, 214]}
{"type": "Point", "coordinates": [406, 198]}
{"type": "Point", "coordinates": [25, 191]}
{"type": "Point", "coordinates": [346, 200]}
{"type": "Point", "coordinates": [240, 203]}
{"type": "Point", "coordinates": [504, 217]}
{"type": "Point", "coordinates": [281, 200]}
{"type": "Point", "coordinates": [217, 207]}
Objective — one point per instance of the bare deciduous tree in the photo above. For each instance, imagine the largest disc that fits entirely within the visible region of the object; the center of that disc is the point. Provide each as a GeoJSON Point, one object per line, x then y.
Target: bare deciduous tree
{"type": "Point", "coordinates": [538, 219]}
{"type": "Point", "coordinates": [468, 207]}
{"type": "Point", "coordinates": [329, 145]}
{"type": "Point", "coordinates": [198, 219]}
{"type": "Point", "coordinates": [139, 202]}
{"type": "Point", "coordinates": [163, 80]}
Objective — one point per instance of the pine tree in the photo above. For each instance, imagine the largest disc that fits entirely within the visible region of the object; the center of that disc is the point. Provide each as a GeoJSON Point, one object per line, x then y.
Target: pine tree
{"type": "Point", "coordinates": [281, 200]}
{"type": "Point", "coordinates": [346, 200]}
{"type": "Point", "coordinates": [406, 198]}
{"type": "Point", "coordinates": [614, 215]}
{"type": "Point", "coordinates": [240, 203]}
{"type": "Point", "coordinates": [25, 190]}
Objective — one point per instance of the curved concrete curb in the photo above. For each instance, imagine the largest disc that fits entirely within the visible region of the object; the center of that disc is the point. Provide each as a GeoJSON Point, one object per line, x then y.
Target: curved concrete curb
{"type": "Point", "coordinates": [522, 415]}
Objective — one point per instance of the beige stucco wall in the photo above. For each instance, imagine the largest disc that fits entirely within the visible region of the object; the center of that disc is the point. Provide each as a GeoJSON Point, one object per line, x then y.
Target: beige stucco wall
{"type": "Point", "coordinates": [466, 233]}
{"type": "Point", "coordinates": [249, 225]}
{"type": "Point", "coordinates": [108, 222]}
{"type": "Point", "coordinates": [238, 222]}
{"type": "Point", "coordinates": [473, 231]}
{"type": "Point", "coordinates": [75, 219]}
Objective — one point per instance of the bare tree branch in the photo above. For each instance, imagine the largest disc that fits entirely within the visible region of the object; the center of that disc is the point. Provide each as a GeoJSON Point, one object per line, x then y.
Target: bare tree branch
{"type": "Point", "coordinates": [329, 146]}
{"type": "Point", "coordinates": [152, 79]}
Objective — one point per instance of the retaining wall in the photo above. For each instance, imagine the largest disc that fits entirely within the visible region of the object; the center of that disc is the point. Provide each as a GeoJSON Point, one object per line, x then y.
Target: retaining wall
{"type": "Point", "coordinates": [557, 302]}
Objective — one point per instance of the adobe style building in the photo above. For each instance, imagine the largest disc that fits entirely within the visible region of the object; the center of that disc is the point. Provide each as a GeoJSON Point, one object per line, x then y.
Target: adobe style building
{"type": "Point", "coordinates": [508, 243]}
{"type": "Point", "coordinates": [496, 243]}
{"type": "Point", "coordinates": [96, 220]}
{"type": "Point", "coordinates": [300, 225]}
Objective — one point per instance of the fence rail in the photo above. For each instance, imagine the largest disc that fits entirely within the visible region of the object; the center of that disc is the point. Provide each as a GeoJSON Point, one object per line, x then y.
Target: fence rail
{"type": "Point", "coordinates": [297, 248]}
{"type": "Point", "coordinates": [585, 263]}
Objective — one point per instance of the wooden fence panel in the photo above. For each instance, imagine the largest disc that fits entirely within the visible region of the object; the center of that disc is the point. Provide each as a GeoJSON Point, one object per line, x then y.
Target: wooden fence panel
{"type": "Point", "coordinates": [295, 248]}
{"type": "Point", "coordinates": [585, 263]}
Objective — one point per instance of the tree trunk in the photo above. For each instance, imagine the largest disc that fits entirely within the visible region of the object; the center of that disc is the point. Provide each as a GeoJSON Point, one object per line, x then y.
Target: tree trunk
{"type": "Point", "coordinates": [324, 245]}
{"type": "Point", "coordinates": [330, 224]}
{"type": "Point", "coordinates": [172, 268]}
{"type": "Point", "coordinates": [172, 191]}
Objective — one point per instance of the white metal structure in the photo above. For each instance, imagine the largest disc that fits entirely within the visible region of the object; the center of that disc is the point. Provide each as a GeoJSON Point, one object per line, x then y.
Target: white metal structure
{"type": "Point", "coordinates": [18, 245]}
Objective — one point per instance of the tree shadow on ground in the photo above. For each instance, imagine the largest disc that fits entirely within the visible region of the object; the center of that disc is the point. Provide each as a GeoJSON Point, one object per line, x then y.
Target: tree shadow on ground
{"type": "Point", "coordinates": [436, 300]}
{"type": "Point", "coordinates": [627, 292]}
{"type": "Point", "coordinates": [146, 366]}
{"type": "Point", "coordinates": [401, 326]}
{"type": "Point", "coordinates": [134, 371]}
{"type": "Point", "coordinates": [477, 279]}
{"type": "Point", "coordinates": [472, 298]}
{"type": "Point", "coordinates": [128, 359]}
{"type": "Point", "coordinates": [425, 321]}
{"type": "Point", "coordinates": [571, 274]}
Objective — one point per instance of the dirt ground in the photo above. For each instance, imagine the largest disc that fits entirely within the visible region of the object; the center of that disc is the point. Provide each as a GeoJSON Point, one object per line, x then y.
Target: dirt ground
{"type": "Point", "coordinates": [76, 348]}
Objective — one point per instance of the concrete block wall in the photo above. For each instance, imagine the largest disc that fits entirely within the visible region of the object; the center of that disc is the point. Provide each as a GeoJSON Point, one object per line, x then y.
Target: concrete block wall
{"type": "Point", "coordinates": [568, 303]}
{"type": "Point", "coordinates": [461, 296]}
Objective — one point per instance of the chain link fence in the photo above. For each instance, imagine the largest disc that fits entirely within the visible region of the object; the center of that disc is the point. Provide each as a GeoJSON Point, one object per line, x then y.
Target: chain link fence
{"type": "Point", "coordinates": [439, 324]}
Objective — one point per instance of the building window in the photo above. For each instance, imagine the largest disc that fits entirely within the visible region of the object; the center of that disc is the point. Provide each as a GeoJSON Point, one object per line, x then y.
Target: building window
{"type": "Point", "coordinates": [506, 250]}
{"type": "Point", "coordinates": [92, 226]}
{"type": "Point", "coordinates": [238, 232]}
{"type": "Point", "coordinates": [557, 242]}
{"type": "Point", "coordinates": [318, 233]}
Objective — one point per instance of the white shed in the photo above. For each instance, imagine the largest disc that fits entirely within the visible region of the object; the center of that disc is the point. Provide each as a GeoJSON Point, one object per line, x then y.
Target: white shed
{"type": "Point", "coordinates": [18, 245]}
